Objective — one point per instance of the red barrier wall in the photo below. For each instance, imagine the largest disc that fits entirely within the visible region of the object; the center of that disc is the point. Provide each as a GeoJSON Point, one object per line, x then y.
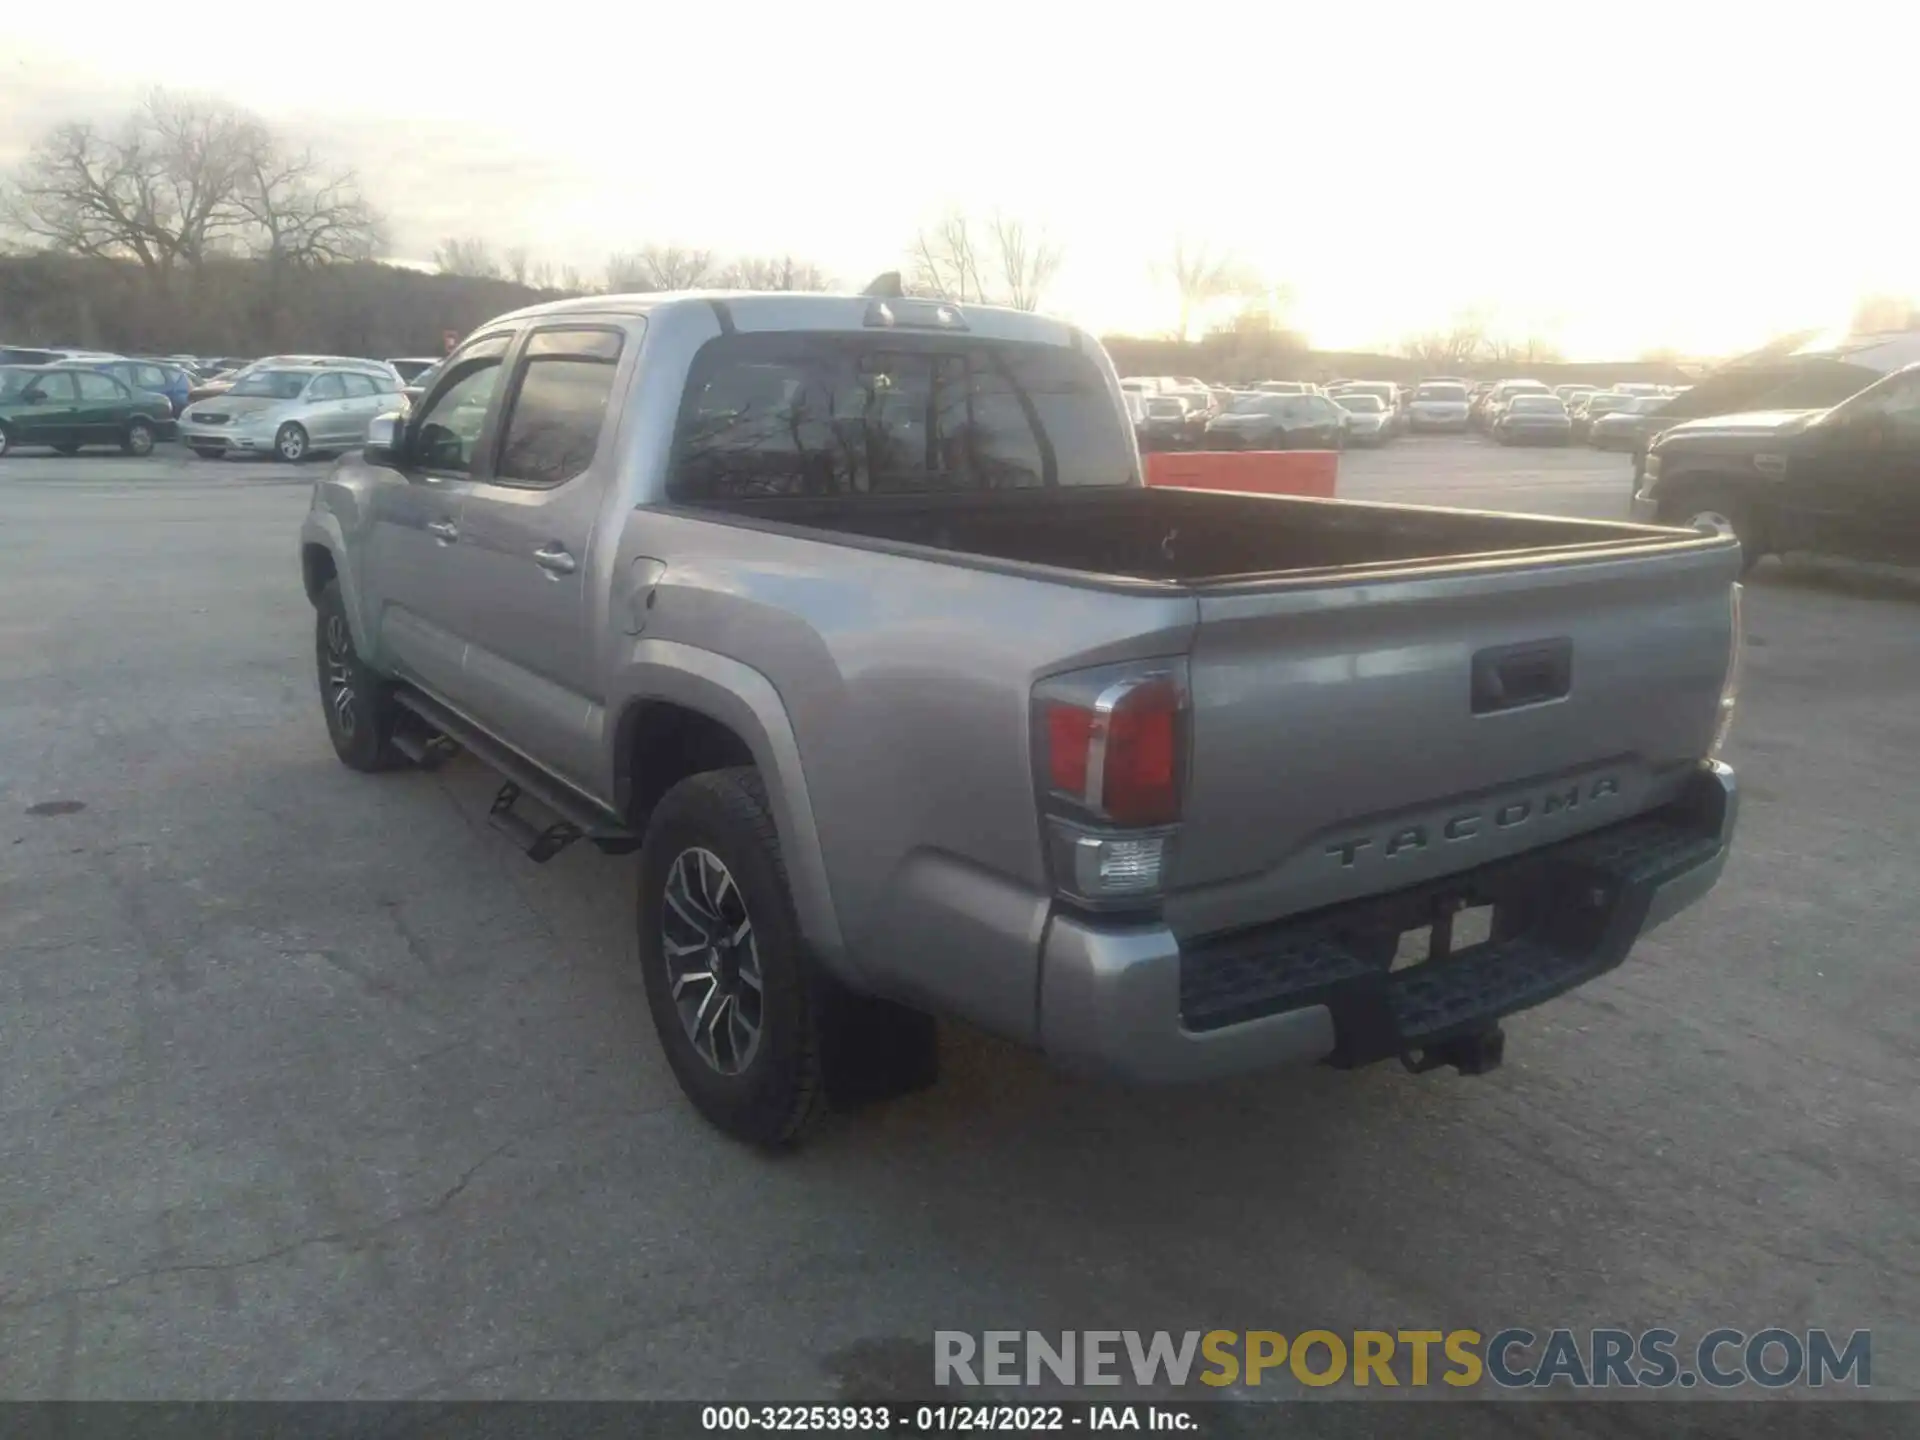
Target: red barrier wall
{"type": "Point", "coordinates": [1260, 472]}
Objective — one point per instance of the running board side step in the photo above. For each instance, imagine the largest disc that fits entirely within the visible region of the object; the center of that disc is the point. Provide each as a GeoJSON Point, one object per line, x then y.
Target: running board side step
{"type": "Point", "coordinates": [576, 817]}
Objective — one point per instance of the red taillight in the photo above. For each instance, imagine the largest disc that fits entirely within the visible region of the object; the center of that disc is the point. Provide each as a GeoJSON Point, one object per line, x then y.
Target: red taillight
{"type": "Point", "coordinates": [1138, 784]}
{"type": "Point", "coordinates": [1069, 738]}
{"type": "Point", "coordinates": [1120, 756]}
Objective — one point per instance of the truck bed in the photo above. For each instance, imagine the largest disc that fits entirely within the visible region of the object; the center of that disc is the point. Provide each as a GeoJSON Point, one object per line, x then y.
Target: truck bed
{"type": "Point", "coordinates": [1184, 537]}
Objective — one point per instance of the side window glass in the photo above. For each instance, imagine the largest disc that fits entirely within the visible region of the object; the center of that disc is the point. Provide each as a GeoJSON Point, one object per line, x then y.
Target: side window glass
{"type": "Point", "coordinates": [151, 377]}
{"type": "Point", "coordinates": [553, 427]}
{"type": "Point", "coordinates": [327, 387]}
{"type": "Point", "coordinates": [57, 387]}
{"type": "Point", "coordinates": [359, 387]}
{"type": "Point", "coordinates": [449, 427]}
{"type": "Point", "coordinates": [97, 387]}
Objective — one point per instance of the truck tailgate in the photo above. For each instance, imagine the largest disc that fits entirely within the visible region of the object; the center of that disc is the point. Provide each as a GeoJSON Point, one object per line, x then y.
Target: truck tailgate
{"type": "Point", "coordinates": [1351, 737]}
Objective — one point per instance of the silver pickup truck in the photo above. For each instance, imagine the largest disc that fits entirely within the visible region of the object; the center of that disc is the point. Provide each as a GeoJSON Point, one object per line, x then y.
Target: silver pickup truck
{"type": "Point", "coordinates": [853, 616]}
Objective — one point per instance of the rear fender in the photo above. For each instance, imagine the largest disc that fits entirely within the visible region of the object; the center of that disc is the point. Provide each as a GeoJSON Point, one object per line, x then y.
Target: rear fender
{"type": "Point", "coordinates": [744, 700]}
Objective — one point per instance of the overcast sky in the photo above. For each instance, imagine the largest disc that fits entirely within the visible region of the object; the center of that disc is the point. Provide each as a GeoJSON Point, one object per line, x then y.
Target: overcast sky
{"type": "Point", "coordinates": [1612, 176]}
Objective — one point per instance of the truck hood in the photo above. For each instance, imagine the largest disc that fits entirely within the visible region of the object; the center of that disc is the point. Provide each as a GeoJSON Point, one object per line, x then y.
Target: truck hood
{"type": "Point", "coordinates": [1723, 427]}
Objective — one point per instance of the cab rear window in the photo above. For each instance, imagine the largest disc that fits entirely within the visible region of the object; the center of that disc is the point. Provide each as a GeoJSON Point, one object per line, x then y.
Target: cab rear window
{"type": "Point", "coordinates": [811, 415]}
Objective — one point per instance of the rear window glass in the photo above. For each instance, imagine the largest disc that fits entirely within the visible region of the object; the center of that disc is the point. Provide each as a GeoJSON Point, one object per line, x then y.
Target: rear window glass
{"type": "Point", "coordinates": [791, 415]}
{"type": "Point", "coordinates": [1441, 392]}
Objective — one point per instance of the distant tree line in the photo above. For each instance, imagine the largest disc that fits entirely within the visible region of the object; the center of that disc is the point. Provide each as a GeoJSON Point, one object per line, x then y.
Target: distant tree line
{"type": "Point", "coordinates": [195, 227]}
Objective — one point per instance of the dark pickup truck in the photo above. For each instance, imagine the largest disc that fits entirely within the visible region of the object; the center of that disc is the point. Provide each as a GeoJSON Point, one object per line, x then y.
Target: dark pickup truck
{"type": "Point", "coordinates": [1844, 481]}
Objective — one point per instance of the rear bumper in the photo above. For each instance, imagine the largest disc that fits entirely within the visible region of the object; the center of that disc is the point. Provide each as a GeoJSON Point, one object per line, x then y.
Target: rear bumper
{"type": "Point", "coordinates": [1134, 1003]}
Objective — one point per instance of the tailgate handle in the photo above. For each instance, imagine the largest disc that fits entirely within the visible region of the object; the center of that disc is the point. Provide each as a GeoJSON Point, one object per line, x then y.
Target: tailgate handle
{"type": "Point", "coordinates": [1509, 676]}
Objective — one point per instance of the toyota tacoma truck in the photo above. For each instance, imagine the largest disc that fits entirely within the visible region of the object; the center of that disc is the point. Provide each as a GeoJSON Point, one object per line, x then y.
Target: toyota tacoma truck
{"type": "Point", "coordinates": [852, 616]}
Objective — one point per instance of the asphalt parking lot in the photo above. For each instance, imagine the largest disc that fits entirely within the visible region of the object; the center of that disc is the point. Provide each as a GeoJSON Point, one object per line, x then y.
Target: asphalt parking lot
{"type": "Point", "coordinates": [312, 1087]}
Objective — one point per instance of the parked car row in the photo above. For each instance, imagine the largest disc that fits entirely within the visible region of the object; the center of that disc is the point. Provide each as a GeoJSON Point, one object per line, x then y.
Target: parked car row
{"type": "Point", "coordinates": [70, 405]}
{"type": "Point", "coordinates": [287, 406]}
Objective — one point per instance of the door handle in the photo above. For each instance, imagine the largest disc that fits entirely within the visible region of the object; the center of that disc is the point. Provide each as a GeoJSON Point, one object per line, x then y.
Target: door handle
{"type": "Point", "coordinates": [555, 560]}
{"type": "Point", "coordinates": [445, 531]}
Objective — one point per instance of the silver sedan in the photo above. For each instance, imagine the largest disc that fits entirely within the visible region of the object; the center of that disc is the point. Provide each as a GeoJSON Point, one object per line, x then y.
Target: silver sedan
{"type": "Point", "coordinates": [289, 412]}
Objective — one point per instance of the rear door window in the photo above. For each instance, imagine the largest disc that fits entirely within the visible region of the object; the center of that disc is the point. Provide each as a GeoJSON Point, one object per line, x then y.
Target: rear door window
{"type": "Point", "coordinates": [100, 389]}
{"type": "Point", "coordinates": [795, 415]}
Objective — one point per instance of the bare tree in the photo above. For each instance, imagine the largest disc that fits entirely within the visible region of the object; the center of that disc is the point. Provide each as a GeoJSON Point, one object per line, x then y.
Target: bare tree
{"type": "Point", "coordinates": [180, 181]}
{"type": "Point", "coordinates": [572, 282]}
{"type": "Point", "coordinates": [158, 189]}
{"type": "Point", "coordinates": [515, 262]}
{"type": "Point", "coordinates": [1026, 259]}
{"type": "Point", "coordinates": [1529, 348]}
{"type": "Point", "coordinates": [466, 255]}
{"type": "Point", "coordinates": [1458, 344]}
{"type": "Point", "coordinates": [947, 261]}
{"type": "Point", "coordinates": [1002, 262]}
{"type": "Point", "coordinates": [300, 212]}
{"type": "Point", "coordinates": [1199, 277]}
{"type": "Point", "coordinates": [540, 275]}
{"type": "Point", "coordinates": [771, 273]}
{"type": "Point", "coordinates": [660, 267]}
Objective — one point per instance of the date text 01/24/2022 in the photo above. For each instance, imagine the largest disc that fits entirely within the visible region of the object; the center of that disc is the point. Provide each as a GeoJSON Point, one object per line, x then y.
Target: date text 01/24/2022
{"type": "Point", "coordinates": [936, 1419]}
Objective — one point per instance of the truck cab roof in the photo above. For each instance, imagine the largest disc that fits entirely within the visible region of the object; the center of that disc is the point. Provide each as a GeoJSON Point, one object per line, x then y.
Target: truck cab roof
{"type": "Point", "coordinates": [756, 311]}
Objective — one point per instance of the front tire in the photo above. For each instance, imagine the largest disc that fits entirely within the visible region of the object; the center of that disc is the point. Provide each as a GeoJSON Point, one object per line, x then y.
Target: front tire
{"type": "Point", "coordinates": [358, 703]}
{"type": "Point", "coordinates": [291, 443]}
{"type": "Point", "coordinates": [139, 438]}
{"type": "Point", "coordinates": [735, 998]}
{"type": "Point", "coordinates": [1718, 513]}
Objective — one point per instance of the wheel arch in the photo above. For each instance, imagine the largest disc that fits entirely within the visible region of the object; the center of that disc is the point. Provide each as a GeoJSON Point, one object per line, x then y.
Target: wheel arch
{"type": "Point", "coordinates": [686, 710]}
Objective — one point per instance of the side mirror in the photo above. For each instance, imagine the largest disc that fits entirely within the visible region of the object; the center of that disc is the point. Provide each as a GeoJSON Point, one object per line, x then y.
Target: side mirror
{"type": "Point", "coordinates": [387, 440]}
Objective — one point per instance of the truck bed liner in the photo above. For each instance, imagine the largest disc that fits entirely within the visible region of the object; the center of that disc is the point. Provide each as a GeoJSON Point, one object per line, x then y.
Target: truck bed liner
{"type": "Point", "coordinates": [1190, 537]}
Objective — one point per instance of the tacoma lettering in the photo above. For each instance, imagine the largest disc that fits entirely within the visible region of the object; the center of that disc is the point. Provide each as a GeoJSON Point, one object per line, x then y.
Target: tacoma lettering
{"type": "Point", "coordinates": [1467, 825]}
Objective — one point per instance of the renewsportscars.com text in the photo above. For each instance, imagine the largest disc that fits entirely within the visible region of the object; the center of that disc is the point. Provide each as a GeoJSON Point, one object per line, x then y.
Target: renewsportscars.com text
{"type": "Point", "coordinates": [1511, 1358]}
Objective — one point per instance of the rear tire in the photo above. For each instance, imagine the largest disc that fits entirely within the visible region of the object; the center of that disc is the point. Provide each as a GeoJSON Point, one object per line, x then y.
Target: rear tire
{"type": "Point", "coordinates": [737, 1002]}
{"type": "Point", "coordinates": [139, 438]}
{"type": "Point", "coordinates": [358, 703]}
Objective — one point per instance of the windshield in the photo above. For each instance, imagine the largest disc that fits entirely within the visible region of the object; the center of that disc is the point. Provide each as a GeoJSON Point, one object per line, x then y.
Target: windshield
{"type": "Point", "coordinates": [1538, 405]}
{"type": "Point", "coordinates": [1363, 404]}
{"type": "Point", "coordinates": [1382, 390]}
{"type": "Point", "coordinates": [1441, 392]}
{"type": "Point", "coordinates": [272, 385]}
{"type": "Point", "coordinates": [1646, 404]}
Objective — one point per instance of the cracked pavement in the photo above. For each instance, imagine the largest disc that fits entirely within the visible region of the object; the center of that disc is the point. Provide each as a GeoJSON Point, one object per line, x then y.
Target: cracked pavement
{"type": "Point", "coordinates": [311, 1087]}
